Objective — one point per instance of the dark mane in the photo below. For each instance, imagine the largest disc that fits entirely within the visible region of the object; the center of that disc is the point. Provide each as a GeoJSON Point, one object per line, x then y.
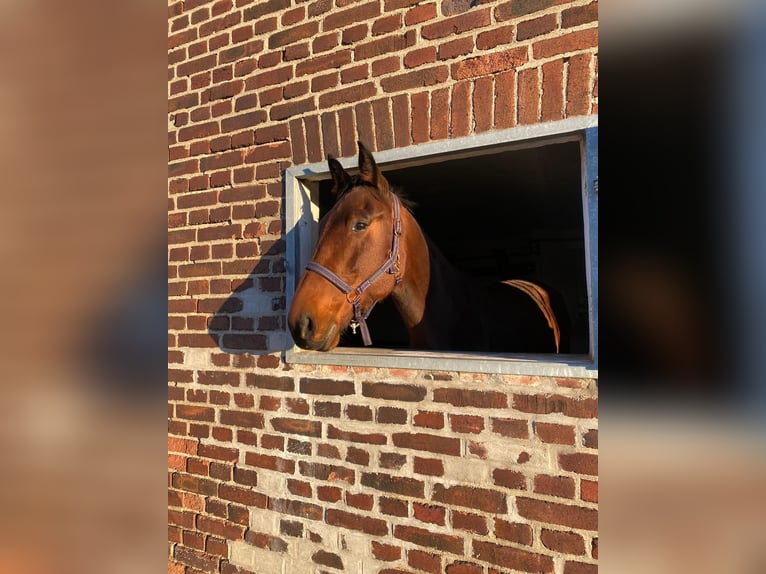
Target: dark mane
{"type": "Point", "coordinates": [357, 181]}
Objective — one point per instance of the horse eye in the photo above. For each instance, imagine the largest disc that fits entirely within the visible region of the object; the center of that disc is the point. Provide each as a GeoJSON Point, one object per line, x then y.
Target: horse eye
{"type": "Point", "coordinates": [359, 226]}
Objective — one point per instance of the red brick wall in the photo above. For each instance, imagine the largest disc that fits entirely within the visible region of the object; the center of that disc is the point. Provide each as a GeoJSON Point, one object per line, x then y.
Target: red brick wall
{"type": "Point", "coordinates": [332, 468]}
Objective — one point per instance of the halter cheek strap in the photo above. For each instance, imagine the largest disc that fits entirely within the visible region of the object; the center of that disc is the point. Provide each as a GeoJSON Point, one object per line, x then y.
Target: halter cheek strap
{"type": "Point", "coordinates": [353, 295]}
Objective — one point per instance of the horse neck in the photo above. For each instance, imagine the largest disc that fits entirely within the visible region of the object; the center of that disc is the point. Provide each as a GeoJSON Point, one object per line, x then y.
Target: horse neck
{"type": "Point", "coordinates": [433, 296]}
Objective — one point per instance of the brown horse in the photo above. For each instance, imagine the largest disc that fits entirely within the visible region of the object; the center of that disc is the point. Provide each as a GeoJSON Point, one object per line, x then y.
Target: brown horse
{"type": "Point", "coordinates": [371, 248]}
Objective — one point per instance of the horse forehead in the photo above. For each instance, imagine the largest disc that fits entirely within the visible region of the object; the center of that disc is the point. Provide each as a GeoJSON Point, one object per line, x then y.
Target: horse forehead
{"type": "Point", "coordinates": [357, 200]}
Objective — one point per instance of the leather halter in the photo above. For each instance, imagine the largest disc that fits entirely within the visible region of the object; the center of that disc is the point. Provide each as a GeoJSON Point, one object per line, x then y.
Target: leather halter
{"type": "Point", "coordinates": [353, 295]}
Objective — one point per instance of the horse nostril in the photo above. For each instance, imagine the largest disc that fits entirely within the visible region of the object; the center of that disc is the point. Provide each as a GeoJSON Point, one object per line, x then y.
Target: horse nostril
{"type": "Point", "coordinates": [306, 327]}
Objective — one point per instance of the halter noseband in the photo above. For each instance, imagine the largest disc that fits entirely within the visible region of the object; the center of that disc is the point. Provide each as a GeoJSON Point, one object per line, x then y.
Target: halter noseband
{"type": "Point", "coordinates": [353, 295]}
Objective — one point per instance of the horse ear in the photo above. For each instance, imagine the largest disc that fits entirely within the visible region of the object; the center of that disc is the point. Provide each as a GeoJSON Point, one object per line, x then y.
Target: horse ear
{"type": "Point", "coordinates": [340, 176]}
{"type": "Point", "coordinates": [369, 170]}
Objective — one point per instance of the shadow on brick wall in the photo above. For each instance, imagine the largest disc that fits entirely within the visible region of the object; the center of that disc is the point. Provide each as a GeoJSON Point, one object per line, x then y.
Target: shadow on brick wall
{"type": "Point", "coordinates": [253, 318]}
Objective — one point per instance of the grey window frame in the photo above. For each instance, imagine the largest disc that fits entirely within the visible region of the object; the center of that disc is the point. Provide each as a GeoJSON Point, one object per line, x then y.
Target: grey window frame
{"type": "Point", "coordinates": [301, 218]}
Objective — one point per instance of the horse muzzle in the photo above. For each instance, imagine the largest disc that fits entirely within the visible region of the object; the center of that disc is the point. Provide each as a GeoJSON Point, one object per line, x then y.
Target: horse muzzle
{"type": "Point", "coordinates": [307, 335]}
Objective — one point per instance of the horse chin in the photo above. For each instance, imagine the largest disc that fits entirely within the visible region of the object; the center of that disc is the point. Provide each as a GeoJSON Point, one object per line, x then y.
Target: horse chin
{"type": "Point", "coordinates": [326, 343]}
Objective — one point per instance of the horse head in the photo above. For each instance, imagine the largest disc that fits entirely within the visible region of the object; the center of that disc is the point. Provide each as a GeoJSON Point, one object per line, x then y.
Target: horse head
{"type": "Point", "coordinates": [355, 262]}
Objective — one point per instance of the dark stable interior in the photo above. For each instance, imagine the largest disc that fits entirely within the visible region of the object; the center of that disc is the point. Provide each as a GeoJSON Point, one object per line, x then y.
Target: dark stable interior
{"type": "Point", "coordinates": [509, 215]}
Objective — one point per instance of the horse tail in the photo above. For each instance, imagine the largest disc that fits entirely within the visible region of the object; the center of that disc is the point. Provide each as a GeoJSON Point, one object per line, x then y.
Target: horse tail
{"type": "Point", "coordinates": [552, 306]}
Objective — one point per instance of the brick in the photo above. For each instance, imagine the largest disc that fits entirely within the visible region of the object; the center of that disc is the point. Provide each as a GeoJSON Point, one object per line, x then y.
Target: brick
{"type": "Point", "coordinates": [466, 423]}
{"type": "Point", "coordinates": [456, 24]}
{"type": "Point", "coordinates": [385, 552]}
{"type": "Point", "coordinates": [296, 508]}
{"type": "Point", "coordinates": [482, 104]}
{"type": "Point", "coordinates": [194, 484]}
{"type": "Point", "coordinates": [329, 493]}
{"type": "Point", "coordinates": [247, 419]}
{"type": "Point", "coordinates": [556, 513]}
{"type": "Point", "coordinates": [326, 387]}
{"type": "Point", "coordinates": [368, 525]}
{"type": "Point", "coordinates": [395, 392]}
{"type": "Point", "coordinates": [468, 398]}
{"type": "Point", "coordinates": [509, 479]}
{"type": "Point", "coordinates": [528, 103]}
{"type": "Point", "coordinates": [572, 42]}
{"type": "Point", "coordinates": [429, 419]}
{"type": "Point", "coordinates": [395, 484]}
{"type": "Point", "coordinates": [429, 513]}
{"type": "Point", "coordinates": [327, 409]}
{"type": "Point", "coordinates": [347, 95]}
{"type": "Point", "coordinates": [578, 15]}
{"type": "Point", "coordinates": [578, 87]}
{"type": "Point", "coordinates": [390, 415]}
{"type": "Point", "coordinates": [428, 466]}
{"type": "Point", "coordinates": [555, 433]}
{"type": "Point", "coordinates": [327, 559]}
{"type": "Point", "coordinates": [464, 568]}
{"type": "Point", "coordinates": [382, 46]}
{"type": "Point", "coordinates": [424, 561]}
{"type": "Point", "coordinates": [360, 501]}
{"type": "Point", "coordinates": [383, 123]}
{"type": "Point", "coordinates": [328, 472]}
{"type": "Point", "coordinates": [565, 542]}
{"type": "Point", "coordinates": [547, 404]}
{"type": "Point", "coordinates": [422, 537]}
{"type": "Point", "coordinates": [552, 107]}
{"type": "Point", "coordinates": [505, 100]}
{"type": "Point", "coordinates": [511, 557]}
{"type": "Point", "coordinates": [420, 78]}
{"type": "Point", "coordinates": [297, 426]}
{"type": "Point", "coordinates": [365, 129]}
{"type": "Point", "coordinates": [393, 506]}
{"type": "Point", "coordinates": [589, 490]}
{"type": "Point", "coordinates": [241, 495]}
{"type": "Point", "coordinates": [219, 527]}
{"type": "Point", "coordinates": [515, 8]}
{"type": "Point", "coordinates": [561, 486]}
{"type": "Point", "coordinates": [535, 27]}
{"type": "Point", "coordinates": [391, 460]}
{"type": "Point", "coordinates": [195, 413]}
{"type": "Point", "coordinates": [343, 18]}
{"type": "Point", "coordinates": [489, 64]}
{"type": "Point", "coordinates": [582, 463]}
{"type": "Point", "coordinates": [195, 559]}
{"type": "Point", "coordinates": [478, 498]}
{"type": "Point", "coordinates": [427, 442]}
{"type": "Point", "coordinates": [460, 121]}
{"type": "Point", "coordinates": [386, 24]}
{"type": "Point", "coordinates": [469, 522]}
{"type": "Point", "coordinates": [292, 35]}
{"type": "Point", "coordinates": [243, 121]}
{"type": "Point", "coordinates": [265, 541]}
{"type": "Point", "coordinates": [580, 568]}
{"type": "Point", "coordinates": [419, 14]}
{"type": "Point", "coordinates": [590, 438]}
{"type": "Point", "coordinates": [493, 38]}
{"type": "Point", "coordinates": [264, 8]}
{"type": "Point", "coordinates": [400, 112]}
{"type": "Point", "coordinates": [335, 59]}
{"type": "Point", "coordinates": [269, 382]}
{"type": "Point", "coordinates": [218, 452]}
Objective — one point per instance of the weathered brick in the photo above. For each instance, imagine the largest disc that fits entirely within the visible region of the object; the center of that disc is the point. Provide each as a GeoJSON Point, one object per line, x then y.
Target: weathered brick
{"type": "Point", "coordinates": [564, 542]}
{"type": "Point", "coordinates": [329, 472]}
{"type": "Point", "coordinates": [396, 484]}
{"type": "Point", "coordinates": [427, 442]}
{"type": "Point", "coordinates": [470, 497]}
{"type": "Point", "coordinates": [326, 387]}
{"type": "Point", "coordinates": [556, 513]}
{"type": "Point", "coordinates": [368, 525]}
{"type": "Point", "coordinates": [469, 398]}
{"type": "Point", "coordinates": [511, 557]}
{"type": "Point", "coordinates": [422, 537]}
{"type": "Point", "coordinates": [583, 463]}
